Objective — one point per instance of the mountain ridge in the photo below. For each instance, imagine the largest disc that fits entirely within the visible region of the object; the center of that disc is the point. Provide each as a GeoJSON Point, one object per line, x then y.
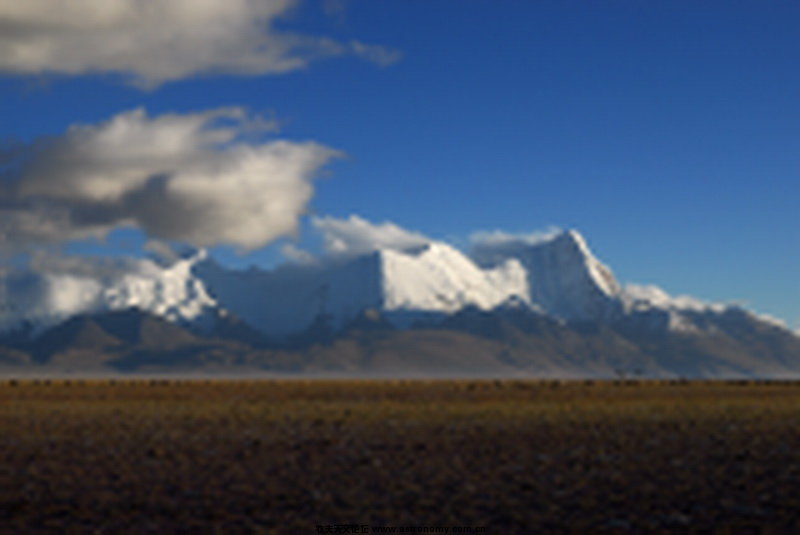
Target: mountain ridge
{"type": "Point", "coordinates": [548, 305]}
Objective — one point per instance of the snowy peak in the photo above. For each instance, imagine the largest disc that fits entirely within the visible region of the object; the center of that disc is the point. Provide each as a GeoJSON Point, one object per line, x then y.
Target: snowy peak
{"type": "Point", "coordinates": [564, 277]}
{"type": "Point", "coordinates": [599, 274]}
{"type": "Point", "coordinates": [557, 276]}
{"type": "Point", "coordinates": [173, 292]}
{"type": "Point", "coordinates": [404, 285]}
{"type": "Point", "coordinates": [441, 278]}
{"type": "Point", "coordinates": [45, 298]}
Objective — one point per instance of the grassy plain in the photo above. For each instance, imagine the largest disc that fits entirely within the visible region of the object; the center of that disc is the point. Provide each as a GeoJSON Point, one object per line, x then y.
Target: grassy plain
{"type": "Point", "coordinates": [287, 456]}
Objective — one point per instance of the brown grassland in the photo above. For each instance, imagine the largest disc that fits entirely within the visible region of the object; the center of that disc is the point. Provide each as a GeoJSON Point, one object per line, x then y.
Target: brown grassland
{"type": "Point", "coordinates": [287, 456]}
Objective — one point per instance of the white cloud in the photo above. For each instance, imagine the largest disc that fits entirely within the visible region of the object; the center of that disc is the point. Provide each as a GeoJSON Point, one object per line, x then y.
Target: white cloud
{"type": "Point", "coordinates": [196, 178]}
{"type": "Point", "coordinates": [489, 248]}
{"type": "Point", "coordinates": [649, 295]}
{"type": "Point", "coordinates": [297, 255]}
{"type": "Point", "coordinates": [157, 41]}
{"type": "Point", "coordinates": [500, 237]}
{"type": "Point", "coordinates": [376, 54]}
{"type": "Point", "coordinates": [356, 235]}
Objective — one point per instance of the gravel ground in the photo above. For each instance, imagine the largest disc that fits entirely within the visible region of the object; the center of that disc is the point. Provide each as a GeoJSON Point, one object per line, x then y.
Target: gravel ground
{"type": "Point", "coordinates": [167, 456]}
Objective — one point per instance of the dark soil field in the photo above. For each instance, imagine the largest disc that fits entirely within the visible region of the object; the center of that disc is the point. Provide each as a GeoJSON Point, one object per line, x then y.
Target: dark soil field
{"type": "Point", "coordinates": [167, 456]}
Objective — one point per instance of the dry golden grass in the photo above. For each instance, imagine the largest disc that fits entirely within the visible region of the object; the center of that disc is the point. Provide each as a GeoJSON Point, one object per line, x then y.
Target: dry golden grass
{"type": "Point", "coordinates": [158, 456]}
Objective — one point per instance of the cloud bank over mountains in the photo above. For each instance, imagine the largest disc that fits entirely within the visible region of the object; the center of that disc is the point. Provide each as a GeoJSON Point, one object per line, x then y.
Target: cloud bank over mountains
{"type": "Point", "coordinates": [203, 178]}
{"type": "Point", "coordinates": [355, 235]}
{"type": "Point", "coordinates": [156, 41]}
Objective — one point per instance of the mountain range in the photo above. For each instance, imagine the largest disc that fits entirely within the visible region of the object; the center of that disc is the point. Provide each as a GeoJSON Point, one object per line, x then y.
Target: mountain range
{"type": "Point", "coordinates": [544, 307]}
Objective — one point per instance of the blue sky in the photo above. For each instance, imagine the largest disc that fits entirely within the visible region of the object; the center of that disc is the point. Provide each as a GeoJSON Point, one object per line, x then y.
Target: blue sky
{"type": "Point", "coordinates": [668, 133]}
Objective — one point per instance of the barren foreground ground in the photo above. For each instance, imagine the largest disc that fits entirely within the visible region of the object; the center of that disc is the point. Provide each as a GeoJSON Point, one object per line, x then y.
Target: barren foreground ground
{"type": "Point", "coordinates": [157, 456]}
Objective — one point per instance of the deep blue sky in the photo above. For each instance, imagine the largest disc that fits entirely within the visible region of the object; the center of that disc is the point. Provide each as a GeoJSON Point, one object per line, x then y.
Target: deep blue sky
{"type": "Point", "coordinates": [668, 133]}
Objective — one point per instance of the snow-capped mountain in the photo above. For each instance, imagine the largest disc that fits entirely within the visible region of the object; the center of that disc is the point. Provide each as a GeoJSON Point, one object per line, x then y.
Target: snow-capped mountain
{"type": "Point", "coordinates": [42, 299]}
{"type": "Point", "coordinates": [564, 277]}
{"type": "Point", "coordinates": [651, 308]}
{"type": "Point", "coordinates": [407, 285]}
{"type": "Point", "coordinates": [558, 276]}
{"type": "Point", "coordinates": [530, 306]}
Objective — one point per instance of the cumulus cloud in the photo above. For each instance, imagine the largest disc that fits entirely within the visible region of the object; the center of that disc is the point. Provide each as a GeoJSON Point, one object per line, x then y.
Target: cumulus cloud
{"type": "Point", "coordinates": [197, 178]}
{"type": "Point", "coordinates": [356, 235]}
{"type": "Point", "coordinates": [156, 41]}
